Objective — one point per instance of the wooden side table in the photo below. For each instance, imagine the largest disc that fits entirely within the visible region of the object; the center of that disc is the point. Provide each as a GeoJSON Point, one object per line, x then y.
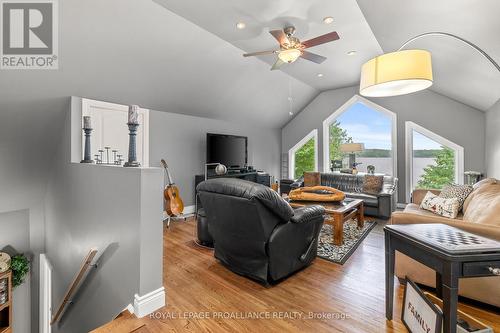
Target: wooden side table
{"type": "Point", "coordinates": [6, 307]}
{"type": "Point", "coordinates": [451, 252]}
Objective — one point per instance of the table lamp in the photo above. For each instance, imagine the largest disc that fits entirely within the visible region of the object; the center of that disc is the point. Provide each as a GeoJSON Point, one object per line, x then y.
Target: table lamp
{"type": "Point", "coordinates": [351, 149]}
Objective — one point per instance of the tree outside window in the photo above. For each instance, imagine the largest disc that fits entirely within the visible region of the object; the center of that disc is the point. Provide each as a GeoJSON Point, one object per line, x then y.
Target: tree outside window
{"type": "Point", "coordinates": [304, 158]}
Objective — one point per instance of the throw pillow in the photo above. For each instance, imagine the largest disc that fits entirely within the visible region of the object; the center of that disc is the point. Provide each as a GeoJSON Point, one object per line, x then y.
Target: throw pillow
{"type": "Point", "coordinates": [440, 206]}
{"type": "Point", "coordinates": [373, 184]}
{"type": "Point", "coordinates": [461, 192]}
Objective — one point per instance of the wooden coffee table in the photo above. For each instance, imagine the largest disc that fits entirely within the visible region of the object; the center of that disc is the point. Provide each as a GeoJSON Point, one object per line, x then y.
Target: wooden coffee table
{"type": "Point", "coordinates": [338, 213]}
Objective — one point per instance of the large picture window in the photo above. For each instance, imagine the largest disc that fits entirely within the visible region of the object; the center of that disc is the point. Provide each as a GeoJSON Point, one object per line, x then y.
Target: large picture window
{"type": "Point", "coordinates": [432, 161]}
{"type": "Point", "coordinates": [361, 121]}
{"type": "Point", "coordinates": [304, 155]}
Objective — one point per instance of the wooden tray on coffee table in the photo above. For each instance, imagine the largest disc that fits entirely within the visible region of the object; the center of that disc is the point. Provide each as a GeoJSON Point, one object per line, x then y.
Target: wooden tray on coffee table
{"type": "Point", "coordinates": [337, 213]}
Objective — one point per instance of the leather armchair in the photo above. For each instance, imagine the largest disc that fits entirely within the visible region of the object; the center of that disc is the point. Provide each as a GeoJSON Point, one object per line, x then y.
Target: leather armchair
{"type": "Point", "coordinates": [256, 233]}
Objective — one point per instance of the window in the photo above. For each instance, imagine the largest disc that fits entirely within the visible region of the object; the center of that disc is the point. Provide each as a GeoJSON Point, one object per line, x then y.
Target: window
{"type": "Point", "coordinates": [432, 161]}
{"type": "Point", "coordinates": [304, 155]}
{"type": "Point", "coordinates": [361, 121]}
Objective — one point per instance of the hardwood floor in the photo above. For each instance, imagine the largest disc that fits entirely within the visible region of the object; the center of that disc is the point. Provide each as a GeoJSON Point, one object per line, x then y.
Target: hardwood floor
{"type": "Point", "coordinates": [197, 285]}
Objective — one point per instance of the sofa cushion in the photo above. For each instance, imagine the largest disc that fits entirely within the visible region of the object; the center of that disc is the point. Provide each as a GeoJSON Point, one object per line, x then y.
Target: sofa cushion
{"type": "Point", "coordinates": [461, 192]}
{"type": "Point", "coordinates": [440, 206]}
{"type": "Point", "coordinates": [476, 186]}
{"type": "Point", "coordinates": [415, 209]}
{"type": "Point", "coordinates": [368, 199]}
{"type": "Point", "coordinates": [373, 184]}
{"type": "Point", "coordinates": [484, 205]}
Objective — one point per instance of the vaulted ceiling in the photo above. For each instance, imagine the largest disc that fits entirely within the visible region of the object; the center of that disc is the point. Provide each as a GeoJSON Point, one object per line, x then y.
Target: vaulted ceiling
{"type": "Point", "coordinates": [369, 28]}
{"type": "Point", "coordinates": [185, 56]}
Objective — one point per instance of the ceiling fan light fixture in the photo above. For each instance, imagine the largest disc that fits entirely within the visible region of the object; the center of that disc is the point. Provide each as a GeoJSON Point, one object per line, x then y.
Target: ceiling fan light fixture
{"type": "Point", "coordinates": [289, 55]}
{"type": "Point", "coordinates": [328, 20]}
{"type": "Point", "coordinates": [396, 73]}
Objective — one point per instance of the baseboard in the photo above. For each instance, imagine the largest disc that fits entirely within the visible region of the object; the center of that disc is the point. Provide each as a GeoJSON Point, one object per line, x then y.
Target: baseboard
{"type": "Point", "coordinates": [144, 305]}
{"type": "Point", "coordinates": [189, 209]}
{"type": "Point", "coordinates": [129, 308]}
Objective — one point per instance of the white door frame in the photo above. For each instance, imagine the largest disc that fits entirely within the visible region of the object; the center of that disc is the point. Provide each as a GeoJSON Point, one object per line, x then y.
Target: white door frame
{"type": "Point", "coordinates": [45, 302]}
{"type": "Point", "coordinates": [355, 99]}
{"type": "Point", "coordinates": [291, 152]}
{"type": "Point", "coordinates": [459, 154]}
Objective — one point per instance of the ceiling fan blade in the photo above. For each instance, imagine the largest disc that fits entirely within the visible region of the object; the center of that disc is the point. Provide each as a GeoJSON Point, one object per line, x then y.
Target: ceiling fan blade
{"type": "Point", "coordinates": [280, 36]}
{"type": "Point", "coordinates": [278, 64]}
{"type": "Point", "coordinates": [312, 57]}
{"type": "Point", "coordinates": [330, 37]}
{"type": "Point", "coordinates": [259, 53]}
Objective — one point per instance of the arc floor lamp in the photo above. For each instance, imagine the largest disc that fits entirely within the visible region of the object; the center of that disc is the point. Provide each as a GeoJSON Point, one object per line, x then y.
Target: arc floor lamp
{"type": "Point", "coordinates": [404, 71]}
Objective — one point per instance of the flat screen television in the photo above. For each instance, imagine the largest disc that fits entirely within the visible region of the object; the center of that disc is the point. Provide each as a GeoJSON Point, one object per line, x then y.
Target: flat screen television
{"type": "Point", "coordinates": [230, 150]}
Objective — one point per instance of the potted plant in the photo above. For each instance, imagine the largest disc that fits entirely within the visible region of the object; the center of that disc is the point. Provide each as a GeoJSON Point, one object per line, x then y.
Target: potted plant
{"type": "Point", "coordinates": [20, 266]}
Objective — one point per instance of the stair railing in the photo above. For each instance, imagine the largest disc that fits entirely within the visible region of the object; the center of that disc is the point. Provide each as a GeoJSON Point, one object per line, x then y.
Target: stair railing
{"type": "Point", "coordinates": [87, 262]}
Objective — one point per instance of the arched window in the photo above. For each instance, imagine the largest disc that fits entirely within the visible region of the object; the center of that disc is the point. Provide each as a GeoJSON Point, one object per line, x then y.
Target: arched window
{"type": "Point", "coordinates": [431, 160]}
{"type": "Point", "coordinates": [361, 121]}
{"type": "Point", "coordinates": [304, 155]}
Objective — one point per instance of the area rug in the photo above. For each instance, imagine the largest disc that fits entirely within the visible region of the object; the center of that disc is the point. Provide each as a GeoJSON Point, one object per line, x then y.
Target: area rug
{"type": "Point", "coordinates": [352, 238]}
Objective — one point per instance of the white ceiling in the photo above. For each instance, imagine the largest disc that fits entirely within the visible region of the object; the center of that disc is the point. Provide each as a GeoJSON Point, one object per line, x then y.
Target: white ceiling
{"type": "Point", "coordinates": [459, 71]}
{"type": "Point", "coordinates": [339, 70]}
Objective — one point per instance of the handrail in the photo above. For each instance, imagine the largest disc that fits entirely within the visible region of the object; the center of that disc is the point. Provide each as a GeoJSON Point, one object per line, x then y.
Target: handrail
{"type": "Point", "coordinates": [87, 262]}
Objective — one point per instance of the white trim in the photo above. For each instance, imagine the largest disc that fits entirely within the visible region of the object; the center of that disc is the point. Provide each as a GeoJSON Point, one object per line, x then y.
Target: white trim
{"type": "Point", "coordinates": [144, 305]}
{"type": "Point", "coordinates": [189, 209]}
{"type": "Point", "coordinates": [459, 154]}
{"type": "Point", "coordinates": [358, 99]}
{"type": "Point", "coordinates": [129, 308]}
{"type": "Point", "coordinates": [291, 152]}
{"type": "Point", "coordinates": [45, 294]}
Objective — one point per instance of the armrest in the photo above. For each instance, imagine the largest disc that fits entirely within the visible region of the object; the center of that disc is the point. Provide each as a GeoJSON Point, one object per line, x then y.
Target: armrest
{"type": "Point", "coordinates": [418, 195]}
{"type": "Point", "coordinates": [306, 214]}
{"type": "Point", "coordinates": [388, 188]}
{"type": "Point", "coordinates": [298, 183]}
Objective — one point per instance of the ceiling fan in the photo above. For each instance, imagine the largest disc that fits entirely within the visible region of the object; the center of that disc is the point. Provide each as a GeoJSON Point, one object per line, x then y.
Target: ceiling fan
{"type": "Point", "coordinates": [291, 48]}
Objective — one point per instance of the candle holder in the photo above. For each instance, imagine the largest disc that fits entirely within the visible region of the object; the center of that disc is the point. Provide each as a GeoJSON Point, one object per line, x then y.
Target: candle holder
{"type": "Point", "coordinates": [86, 156]}
{"type": "Point", "coordinates": [132, 157]}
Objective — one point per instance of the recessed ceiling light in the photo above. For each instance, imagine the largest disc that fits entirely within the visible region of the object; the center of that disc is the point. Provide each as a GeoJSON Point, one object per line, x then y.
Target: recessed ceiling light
{"type": "Point", "coordinates": [351, 53]}
{"type": "Point", "coordinates": [320, 75]}
{"type": "Point", "coordinates": [328, 20]}
{"type": "Point", "coordinates": [241, 25]}
{"type": "Point", "coordinates": [290, 113]}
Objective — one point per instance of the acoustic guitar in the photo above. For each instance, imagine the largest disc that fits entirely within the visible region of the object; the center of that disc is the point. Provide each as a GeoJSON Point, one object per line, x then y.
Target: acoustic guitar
{"type": "Point", "coordinates": [173, 202]}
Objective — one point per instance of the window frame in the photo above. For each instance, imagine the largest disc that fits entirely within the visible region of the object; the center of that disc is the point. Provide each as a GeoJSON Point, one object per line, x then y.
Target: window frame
{"type": "Point", "coordinates": [345, 107]}
{"type": "Point", "coordinates": [291, 152]}
{"type": "Point", "coordinates": [410, 126]}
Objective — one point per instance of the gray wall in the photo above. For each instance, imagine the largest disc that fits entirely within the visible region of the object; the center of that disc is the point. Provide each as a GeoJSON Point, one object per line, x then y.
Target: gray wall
{"type": "Point", "coordinates": [455, 121]}
{"type": "Point", "coordinates": [116, 210]}
{"type": "Point", "coordinates": [493, 141]}
{"type": "Point", "coordinates": [180, 140]}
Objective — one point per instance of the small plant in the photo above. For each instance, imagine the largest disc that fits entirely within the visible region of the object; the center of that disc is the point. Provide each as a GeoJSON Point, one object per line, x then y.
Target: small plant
{"type": "Point", "coordinates": [20, 266]}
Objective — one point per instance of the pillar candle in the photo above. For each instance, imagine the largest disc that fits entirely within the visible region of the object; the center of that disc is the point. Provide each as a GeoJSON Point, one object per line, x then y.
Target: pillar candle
{"type": "Point", "coordinates": [133, 114]}
{"type": "Point", "coordinates": [86, 122]}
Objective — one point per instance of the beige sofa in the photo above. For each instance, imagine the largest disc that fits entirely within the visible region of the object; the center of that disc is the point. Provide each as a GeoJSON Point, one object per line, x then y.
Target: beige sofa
{"type": "Point", "coordinates": [481, 215]}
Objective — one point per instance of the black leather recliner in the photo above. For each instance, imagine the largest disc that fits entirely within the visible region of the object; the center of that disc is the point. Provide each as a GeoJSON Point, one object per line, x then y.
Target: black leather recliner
{"type": "Point", "coordinates": [256, 233]}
